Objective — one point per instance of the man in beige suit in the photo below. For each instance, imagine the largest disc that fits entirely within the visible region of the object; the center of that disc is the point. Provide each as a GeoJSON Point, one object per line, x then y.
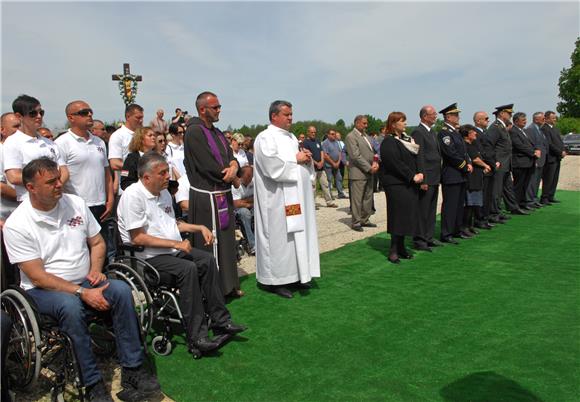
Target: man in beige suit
{"type": "Point", "coordinates": [362, 165]}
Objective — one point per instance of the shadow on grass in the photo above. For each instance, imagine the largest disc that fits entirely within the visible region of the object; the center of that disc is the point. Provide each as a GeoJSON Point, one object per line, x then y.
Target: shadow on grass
{"type": "Point", "coordinates": [486, 386]}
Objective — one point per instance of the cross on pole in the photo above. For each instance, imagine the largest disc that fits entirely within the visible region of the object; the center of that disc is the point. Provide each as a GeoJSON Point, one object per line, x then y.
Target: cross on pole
{"type": "Point", "coordinates": [127, 84]}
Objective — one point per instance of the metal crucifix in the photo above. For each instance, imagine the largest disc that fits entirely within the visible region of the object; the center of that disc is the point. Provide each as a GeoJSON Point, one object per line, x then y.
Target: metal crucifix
{"type": "Point", "coordinates": [127, 84]}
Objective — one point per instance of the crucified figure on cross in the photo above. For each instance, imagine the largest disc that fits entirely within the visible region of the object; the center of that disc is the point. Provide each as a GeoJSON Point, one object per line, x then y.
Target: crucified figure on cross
{"type": "Point", "coordinates": [127, 84]}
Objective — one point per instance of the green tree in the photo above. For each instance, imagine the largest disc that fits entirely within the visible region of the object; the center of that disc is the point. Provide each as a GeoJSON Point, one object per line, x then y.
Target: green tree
{"type": "Point", "coordinates": [568, 125]}
{"type": "Point", "coordinates": [569, 84]}
{"type": "Point", "coordinates": [374, 124]}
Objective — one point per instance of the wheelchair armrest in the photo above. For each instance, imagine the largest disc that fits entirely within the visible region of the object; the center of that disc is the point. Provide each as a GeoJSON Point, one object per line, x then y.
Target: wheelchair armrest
{"type": "Point", "coordinates": [132, 248]}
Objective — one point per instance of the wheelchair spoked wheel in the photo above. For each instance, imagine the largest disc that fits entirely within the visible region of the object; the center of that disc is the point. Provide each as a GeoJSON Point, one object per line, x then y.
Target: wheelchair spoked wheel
{"type": "Point", "coordinates": [67, 373]}
{"type": "Point", "coordinates": [141, 295]}
{"type": "Point", "coordinates": [23, 358]}
{"type": "Point", "coordinates": [161, 345]}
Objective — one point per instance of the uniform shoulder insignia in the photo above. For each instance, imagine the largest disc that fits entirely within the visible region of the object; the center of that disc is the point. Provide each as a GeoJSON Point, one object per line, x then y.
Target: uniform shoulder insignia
{"type": "Point", "coordinates": [444, 128]}
{"type": "Point", "coordinates": [446, 140]}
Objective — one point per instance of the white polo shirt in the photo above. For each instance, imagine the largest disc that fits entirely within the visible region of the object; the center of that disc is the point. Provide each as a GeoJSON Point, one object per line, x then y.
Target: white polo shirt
{"type": "Point", "coordinates": [243, 192]}
{"type": "Point", "coordinates": [138, 208]}
{"type": "Point", "coordinates": [182, 193]}
{"type": "Point", "coordinates": [6, 206]}
{"type": "Point", "coordinates": [119, 143]}
{"type": "Point", "coordinates": [57, 237]}
{"type": "Point", "coordinates": [176, 155]}
{"type": "Point", "coordinates": [19, 149]}
{"type": "Point", "coordinates": [86, 161]}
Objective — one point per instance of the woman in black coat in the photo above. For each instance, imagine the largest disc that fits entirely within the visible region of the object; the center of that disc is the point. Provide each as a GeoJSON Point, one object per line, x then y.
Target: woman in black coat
{"type": "Point", "coordinates": [400, 179]}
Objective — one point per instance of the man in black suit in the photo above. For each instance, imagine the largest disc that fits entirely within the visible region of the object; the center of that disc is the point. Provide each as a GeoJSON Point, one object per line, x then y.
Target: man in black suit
{"type": "Point", "coordinates": [540, 142]}
{"type": "Point", "coordinates": [481, 120]}
{"type": "Point", "coordinates": [556, 152]}
{"type": "Point", "coordinates": [498, 144]}
{"type": "Point", "coordinates": [456, 166]}
{"type": "Point", "coordinates": [523, 158]}
{"type": "Point", "coordinates": [430, 155]}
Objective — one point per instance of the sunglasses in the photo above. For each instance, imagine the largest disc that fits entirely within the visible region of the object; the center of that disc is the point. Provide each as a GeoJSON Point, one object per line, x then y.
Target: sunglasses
{"type": "Point", "coordinates": [214, 107]}
{"type": "Point", "coordinates": [161, 141]}
{"type": "Point", "coordinates": [83, 112]}
{"type": "Point", "coordinates": [34, 113]}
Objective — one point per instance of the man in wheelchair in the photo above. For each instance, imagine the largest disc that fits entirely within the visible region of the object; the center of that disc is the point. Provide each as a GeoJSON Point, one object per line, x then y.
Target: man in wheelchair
{"type": "Point", "coordinates": [146, 218]}
{"type": "Point", "coordinates": [55, 240]}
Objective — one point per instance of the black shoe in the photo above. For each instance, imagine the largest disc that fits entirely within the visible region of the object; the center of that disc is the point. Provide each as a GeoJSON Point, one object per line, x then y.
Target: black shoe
{"type": "Point", "coordinates": [486, 226]}
{"type": "Point", "coordinates": [554, 201]}
{"type": "Point", "coordinates": [473, 231]}
{"type": "Point", "coordinates": [342, 197]}
{"type": "Point", "coordinates": [463, 235]}
{"type": "Point", "coordinates": [527, 208]}
{"type": "Point", "coordinates": [519, 212]}
{"type": "Point", "coordinates": [205, 344]}
{"type": "Point", "coordinates": [98, 392]}
{"type": "Point", "coordinates": [139, 379]}
{"type": "Point", "coordinates": [449, 240]}
{"type": "Point", "coordinates": [504, 217]}
{"type": "Point", "coordinates": [277, 289]}
{"type": "Point", "coordinates": [394, 260]}
{"type": "Point", "coordinates": [545, 202]}
{"type": "Point", "coordinates": [228, 328]}
{"type": "Point", "coordinates": [422, 247]}
{"type": "Point", "coordinates": [357, 228]}
{"type": "Point", "coordinates": [305, 286]}
{"type": "Point", "coordinates": [434, 243]}
{"type": "Point", "coordinates": [494, 219]}
{"type": "Point", "coordinates": [406, 256]}
{"type": "Point", "coordinates": [538, 205]}
{"type": "Point", "coordinates": [369, 225]}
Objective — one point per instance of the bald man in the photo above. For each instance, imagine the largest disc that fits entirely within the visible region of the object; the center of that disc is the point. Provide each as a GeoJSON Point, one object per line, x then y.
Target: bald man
{"type": "Point", "coordinates": [9, 124]}
{"type": "Point", "coordinates": [85, 155]}
{"type": "Point", "coordinates": [429, 153]}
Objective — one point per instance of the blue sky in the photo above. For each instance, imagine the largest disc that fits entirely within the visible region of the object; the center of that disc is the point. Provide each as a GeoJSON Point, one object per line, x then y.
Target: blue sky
{"type": "Point", "coordinates": [332, 60]}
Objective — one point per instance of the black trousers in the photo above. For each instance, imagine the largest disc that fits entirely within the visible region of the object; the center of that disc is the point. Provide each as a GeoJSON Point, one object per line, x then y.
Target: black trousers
{"type": "Point", "coordinates": [196, 276]}
{"type": "Point", "coordinates": [503, 188]}
{"type": "Point", "coordinates": [427, 215]}
{"type": "Point", "coordinates": [522, 177]}
{"type": "Point", "coordinates": [550, 177]}
{"type": "Point", "coordinates": [486, 210]}
{"type": "Point", "coordinates": [452, 209]}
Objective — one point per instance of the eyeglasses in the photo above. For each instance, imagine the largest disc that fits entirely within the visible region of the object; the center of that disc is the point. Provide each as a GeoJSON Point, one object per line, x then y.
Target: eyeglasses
{"type": "Point", "coordinates": [34, 113]}
{"type": "Point", "coordinates": [214, 107]}
{"type": "Point", "coordinates": [83, 112]}
{"type": "Point", "coordinates": [161, 141]}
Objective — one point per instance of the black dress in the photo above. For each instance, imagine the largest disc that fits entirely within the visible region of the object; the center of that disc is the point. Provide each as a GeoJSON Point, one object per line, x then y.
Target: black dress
{"type": "Point", "coordinates": [398, 167]}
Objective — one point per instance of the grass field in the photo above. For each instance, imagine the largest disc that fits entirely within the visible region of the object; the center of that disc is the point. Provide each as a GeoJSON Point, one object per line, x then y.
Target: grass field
{"type": "Point", "coordinates": [496, 318]}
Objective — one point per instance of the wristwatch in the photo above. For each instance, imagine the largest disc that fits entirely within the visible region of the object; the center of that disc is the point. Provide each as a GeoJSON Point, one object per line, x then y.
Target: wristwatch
{"type": "Point", "coordinates": [79, 292]}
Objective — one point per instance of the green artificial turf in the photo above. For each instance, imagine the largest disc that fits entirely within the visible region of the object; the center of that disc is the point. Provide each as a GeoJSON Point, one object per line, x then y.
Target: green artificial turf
{"type": "Point", "coordinates": [496, 318]}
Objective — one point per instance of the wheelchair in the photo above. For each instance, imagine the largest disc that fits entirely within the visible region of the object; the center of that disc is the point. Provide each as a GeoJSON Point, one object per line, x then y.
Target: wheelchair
{"type": "Point", "coordinates": [157, 294]}
{"type": "Point", "coordinates": [36, 342]}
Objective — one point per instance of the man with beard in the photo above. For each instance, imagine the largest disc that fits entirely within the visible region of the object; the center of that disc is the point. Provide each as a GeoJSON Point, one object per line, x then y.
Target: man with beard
{"type": "Point", "coordinates": [211, 167]}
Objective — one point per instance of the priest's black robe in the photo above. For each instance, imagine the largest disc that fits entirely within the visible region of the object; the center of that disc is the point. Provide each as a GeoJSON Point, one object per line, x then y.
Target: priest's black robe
{"type": "Point", "coordinates": [204, 172]}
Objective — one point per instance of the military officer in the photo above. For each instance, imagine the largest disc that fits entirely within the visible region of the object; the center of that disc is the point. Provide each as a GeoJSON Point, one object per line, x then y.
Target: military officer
{"type": "Point", "coordinates": [456, 167]}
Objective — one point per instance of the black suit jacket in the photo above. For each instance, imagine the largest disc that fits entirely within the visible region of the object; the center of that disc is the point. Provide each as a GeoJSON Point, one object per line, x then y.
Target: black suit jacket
{"type": "Point", "coordinates": [555, 143]}
{"type": "Point", "coordinates": [429, 154]}
{"type": "Point", "coordinates": [539, 141]}
{"type": "Point", "coordinates": [498, 145]}
{"type": "Point", "coordinates": [522, 149]}
{"type": "Point", "coordinates": [398, 165]}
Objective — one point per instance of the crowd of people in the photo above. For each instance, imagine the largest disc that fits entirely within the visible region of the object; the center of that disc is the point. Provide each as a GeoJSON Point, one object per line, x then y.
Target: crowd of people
{"type": "Point", "coordinates": [181, 188]}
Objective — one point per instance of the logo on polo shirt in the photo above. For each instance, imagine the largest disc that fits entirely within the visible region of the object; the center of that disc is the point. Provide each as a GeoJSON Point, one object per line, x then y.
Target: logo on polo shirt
{"type": "Point", "coordinates": [76, 221]}
{"type": "Point", "coordinates": [100, 149]}
{"type": "Point", "coordinates": [167, 209]}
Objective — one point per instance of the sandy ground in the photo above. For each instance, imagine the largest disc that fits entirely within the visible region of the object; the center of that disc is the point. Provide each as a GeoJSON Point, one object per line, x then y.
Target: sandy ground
{"type": "Point", "coordinates": [333, 232]}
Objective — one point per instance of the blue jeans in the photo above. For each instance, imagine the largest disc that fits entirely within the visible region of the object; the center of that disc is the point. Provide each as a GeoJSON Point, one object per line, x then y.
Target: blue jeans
{"type": "Point", "coordinates": [71, 314]}
{"type": "Point", "coordinates": [247, 217]}
{"type": "Point", "coordinates": [330, 173]}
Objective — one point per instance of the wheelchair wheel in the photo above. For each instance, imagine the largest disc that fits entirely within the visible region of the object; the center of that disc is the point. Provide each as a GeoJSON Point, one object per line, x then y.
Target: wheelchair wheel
{"type": "Point", "coordinates": [23, 358]}
{"type": "Point", "coordinates": [161, 345]}
{"type": "Point", "coordinates": [141, 295]}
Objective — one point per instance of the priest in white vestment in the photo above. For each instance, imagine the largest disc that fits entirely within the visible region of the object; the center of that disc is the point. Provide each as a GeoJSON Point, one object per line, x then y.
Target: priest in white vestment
{"type": "Point", "coordinates": [284, 209]}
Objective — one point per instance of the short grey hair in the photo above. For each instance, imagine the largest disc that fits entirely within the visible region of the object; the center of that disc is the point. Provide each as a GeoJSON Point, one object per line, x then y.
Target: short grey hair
{"type": "Point", "coordinates": [535, 115]}
{"type": "Point", "coordinates": [276, 106]}
{"type": "Point", "coordinates": [359, 117]}
{"type": "Point", "coordinates": [148, 161]}
{"type": "Point", "coordinates": [518, 116]}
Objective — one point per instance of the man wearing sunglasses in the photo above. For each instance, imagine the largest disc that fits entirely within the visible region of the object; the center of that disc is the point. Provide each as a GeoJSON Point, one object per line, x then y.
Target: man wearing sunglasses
{"type": "Point", "coordinates": [27, 144]}
{"type": "Point", "coordinates": [86, 158]}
